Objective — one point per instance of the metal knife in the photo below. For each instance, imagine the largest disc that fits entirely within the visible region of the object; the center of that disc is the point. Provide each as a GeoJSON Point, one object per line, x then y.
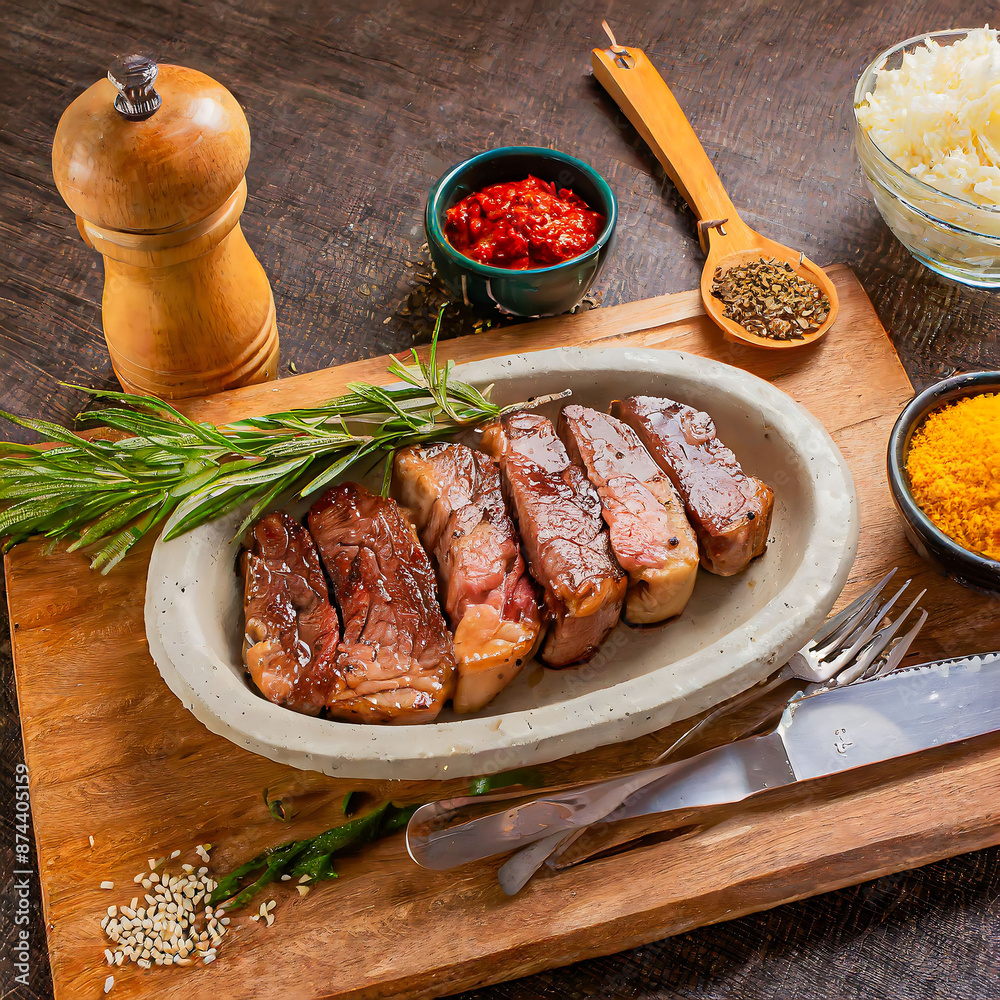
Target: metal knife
{"type": "Point", "coordinates": [837, 730]}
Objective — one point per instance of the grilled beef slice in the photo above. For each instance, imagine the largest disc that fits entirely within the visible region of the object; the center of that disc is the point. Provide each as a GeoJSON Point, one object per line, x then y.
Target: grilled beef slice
{"type": "Point", "coordinates": [730, 511]}
{"type": "Point", "coordinates": [291, 629]}
{"type": "Point", "coordinates": [650, 533]}
{"type": "Point", "coordinates": [558, 514]}
{"type": "Point", "coordinates": [396, 660]}
{"type": "Point", "coordinates": [452, 492]}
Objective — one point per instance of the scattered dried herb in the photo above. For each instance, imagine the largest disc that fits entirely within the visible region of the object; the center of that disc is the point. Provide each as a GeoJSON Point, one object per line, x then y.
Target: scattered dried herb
{"type": "Point", "coordinates": [420, 308]}
{"type": "Point", "coordinates": [767, 298]}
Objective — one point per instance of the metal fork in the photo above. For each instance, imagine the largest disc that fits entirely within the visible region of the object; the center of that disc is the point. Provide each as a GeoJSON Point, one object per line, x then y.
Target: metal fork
{"type": "Point", "coordinates": [846, 649]}
{"type": "Point", "coordinates": [433, 844]}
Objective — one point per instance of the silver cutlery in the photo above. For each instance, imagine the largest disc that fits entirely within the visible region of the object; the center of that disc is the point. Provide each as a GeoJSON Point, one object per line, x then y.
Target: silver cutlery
{"type": "Point", "coordinates": [846, 647]}
{"type": "Point", "coordinates": [844, 650]}
{"type": "Point", "coordinates": [833, 730]}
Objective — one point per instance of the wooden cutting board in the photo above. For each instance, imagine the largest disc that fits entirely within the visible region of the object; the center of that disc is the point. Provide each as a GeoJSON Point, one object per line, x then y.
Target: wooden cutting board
{"type": "Point", "coordinates": [113, 754]}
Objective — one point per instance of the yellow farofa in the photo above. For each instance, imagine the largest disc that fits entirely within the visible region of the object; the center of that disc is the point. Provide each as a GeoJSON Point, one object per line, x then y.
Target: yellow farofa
{"type": "Point", "coordinates": [954, 470]}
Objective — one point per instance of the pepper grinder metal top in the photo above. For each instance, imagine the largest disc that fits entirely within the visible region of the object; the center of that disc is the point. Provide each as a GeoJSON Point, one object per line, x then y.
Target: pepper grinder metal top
{"type": "Point", "coordinates": [134, 76]}
{"type": "Point", "coordinates": [156, 178]}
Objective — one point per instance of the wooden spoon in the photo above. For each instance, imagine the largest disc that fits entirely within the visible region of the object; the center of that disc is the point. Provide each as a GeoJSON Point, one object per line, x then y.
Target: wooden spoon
{"type": "Point", "coordinates": [632, 80]}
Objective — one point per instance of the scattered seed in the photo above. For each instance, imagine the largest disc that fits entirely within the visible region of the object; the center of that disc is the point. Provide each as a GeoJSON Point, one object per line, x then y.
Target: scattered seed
{"type": "Point", "coordinates": [107, 885]}
{"type": "Point", "coordinates": [171, 927]}
{"type": "Point", "coordinates": [303, 889]}
{"type": "Point", "coordinates": [108, 983]}
{"type": "Point", "coordinates": [91, 838]}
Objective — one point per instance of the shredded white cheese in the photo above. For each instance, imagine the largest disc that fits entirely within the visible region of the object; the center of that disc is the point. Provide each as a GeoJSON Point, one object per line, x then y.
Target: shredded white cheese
{"type": "Point", "coordinates": [938, 115]}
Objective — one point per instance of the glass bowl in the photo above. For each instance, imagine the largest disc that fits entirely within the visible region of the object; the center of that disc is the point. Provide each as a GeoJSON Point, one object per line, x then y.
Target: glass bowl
{"type": "Point", "coordinates": [964, 566]}
{"type": "Point", "coordinates": [950, 235]}
{"type": "Point", "coordinates": [540, 291]}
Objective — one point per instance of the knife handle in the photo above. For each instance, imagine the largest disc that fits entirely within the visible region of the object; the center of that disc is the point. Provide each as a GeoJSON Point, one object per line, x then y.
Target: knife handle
{"type": "Point", "coordinates": [434, 840]}
{"type": "Point", "coordinates": [724, 774]}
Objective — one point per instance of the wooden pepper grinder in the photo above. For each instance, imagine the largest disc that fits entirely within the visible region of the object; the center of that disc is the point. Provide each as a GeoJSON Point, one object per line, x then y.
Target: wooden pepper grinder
{"type": "Point", "coordinates": [156, 179]}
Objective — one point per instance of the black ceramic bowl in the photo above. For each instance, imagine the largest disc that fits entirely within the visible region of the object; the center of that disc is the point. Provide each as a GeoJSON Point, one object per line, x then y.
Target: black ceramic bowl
{"type": "Point", "coordinates": [930, 541]}
{"type": "Point", "coordinates": [542, 291]}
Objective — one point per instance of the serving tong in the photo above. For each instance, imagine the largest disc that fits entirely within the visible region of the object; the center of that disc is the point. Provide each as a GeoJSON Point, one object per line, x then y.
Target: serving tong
{"type": "Point", "coordinates": [445, 834]}
{"type": "Point", "coordinates": [638, 89]}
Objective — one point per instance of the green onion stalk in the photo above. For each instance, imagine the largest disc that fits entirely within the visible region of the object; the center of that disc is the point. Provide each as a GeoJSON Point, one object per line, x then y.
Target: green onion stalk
{"type": "Point", "coordinates": [309, 860]}
{"type": "Point", "coordinates": [105, 496]}
{"type": "Point", "coordinates": [312, 859]}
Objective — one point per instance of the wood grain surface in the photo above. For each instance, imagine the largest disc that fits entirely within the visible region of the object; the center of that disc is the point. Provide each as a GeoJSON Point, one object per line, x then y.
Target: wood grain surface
{"type": "Point", "coordinates": [355, 109]}
{"type": "Point", "coordinates": [100, 726]}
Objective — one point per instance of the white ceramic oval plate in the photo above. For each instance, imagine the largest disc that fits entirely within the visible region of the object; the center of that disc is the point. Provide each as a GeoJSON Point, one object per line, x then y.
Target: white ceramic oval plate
{"type": "Point", "coordinates": [734, 631]}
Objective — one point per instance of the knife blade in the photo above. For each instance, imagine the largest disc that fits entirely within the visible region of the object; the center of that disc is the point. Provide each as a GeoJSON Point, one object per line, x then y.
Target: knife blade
{"type": "Point", "coordinates": [836, 730]}
{"type": "Point", "coordinates": [866, 723]}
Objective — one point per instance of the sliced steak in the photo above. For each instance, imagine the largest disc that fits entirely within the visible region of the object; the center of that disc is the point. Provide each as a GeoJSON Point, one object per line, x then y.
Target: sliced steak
{"type": "Point", "coordinates": [396, 660]}
{"type": "Point", "coordinates": [730, 511]}
{"type": "Point", "coordinates": [558, 513]}
{"type": "Point", "coordinates": [291, 628]}
{"type": "Point", "coordinates": [650, 533]}
{"type": "Point", "coordinates": [453, 494]}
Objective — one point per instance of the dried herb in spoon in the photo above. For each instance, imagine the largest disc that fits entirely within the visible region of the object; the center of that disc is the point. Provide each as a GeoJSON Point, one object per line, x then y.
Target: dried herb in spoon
{"type": "Point", "coordinates": [767, 298]}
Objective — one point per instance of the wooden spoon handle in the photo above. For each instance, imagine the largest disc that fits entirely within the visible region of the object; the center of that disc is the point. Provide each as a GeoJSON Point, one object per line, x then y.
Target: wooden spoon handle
{"type": "Point", "coordinates": [632, 80]}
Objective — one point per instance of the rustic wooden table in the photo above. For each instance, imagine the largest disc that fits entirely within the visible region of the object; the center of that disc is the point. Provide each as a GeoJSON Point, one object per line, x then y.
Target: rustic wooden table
{"type": "Point", "coordinates": [355, 109]}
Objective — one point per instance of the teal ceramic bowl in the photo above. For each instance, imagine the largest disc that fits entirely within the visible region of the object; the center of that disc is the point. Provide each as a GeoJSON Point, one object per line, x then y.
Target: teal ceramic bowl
{"type": "Point", "coordinates": [543, 291]}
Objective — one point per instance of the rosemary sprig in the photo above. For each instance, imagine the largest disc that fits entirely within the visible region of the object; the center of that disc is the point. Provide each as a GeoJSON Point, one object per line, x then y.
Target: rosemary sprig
{"type": "Point", "coordinates": [110, 494]}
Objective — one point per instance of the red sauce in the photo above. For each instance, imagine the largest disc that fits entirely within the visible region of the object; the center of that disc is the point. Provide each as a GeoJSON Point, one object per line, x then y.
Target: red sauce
{"type": "Point", "coordinates": [522, 224]}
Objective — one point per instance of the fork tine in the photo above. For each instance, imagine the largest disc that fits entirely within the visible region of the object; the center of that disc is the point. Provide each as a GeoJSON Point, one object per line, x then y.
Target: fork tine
{"type": "Point", "coordinates": [857, 639]}
{"type": "Point", "coordinates": [857, 607]}
{"type": "Point", "coordinates": [902, 647]}
{"type": "Point", "coordinates": [842, 639]}
{"type": "Point", "coordinates": [878, 641]}
{"type": "Point", "coordinates": [870, 622]}
{"type": "Point", "coordinates": [844, 644]}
